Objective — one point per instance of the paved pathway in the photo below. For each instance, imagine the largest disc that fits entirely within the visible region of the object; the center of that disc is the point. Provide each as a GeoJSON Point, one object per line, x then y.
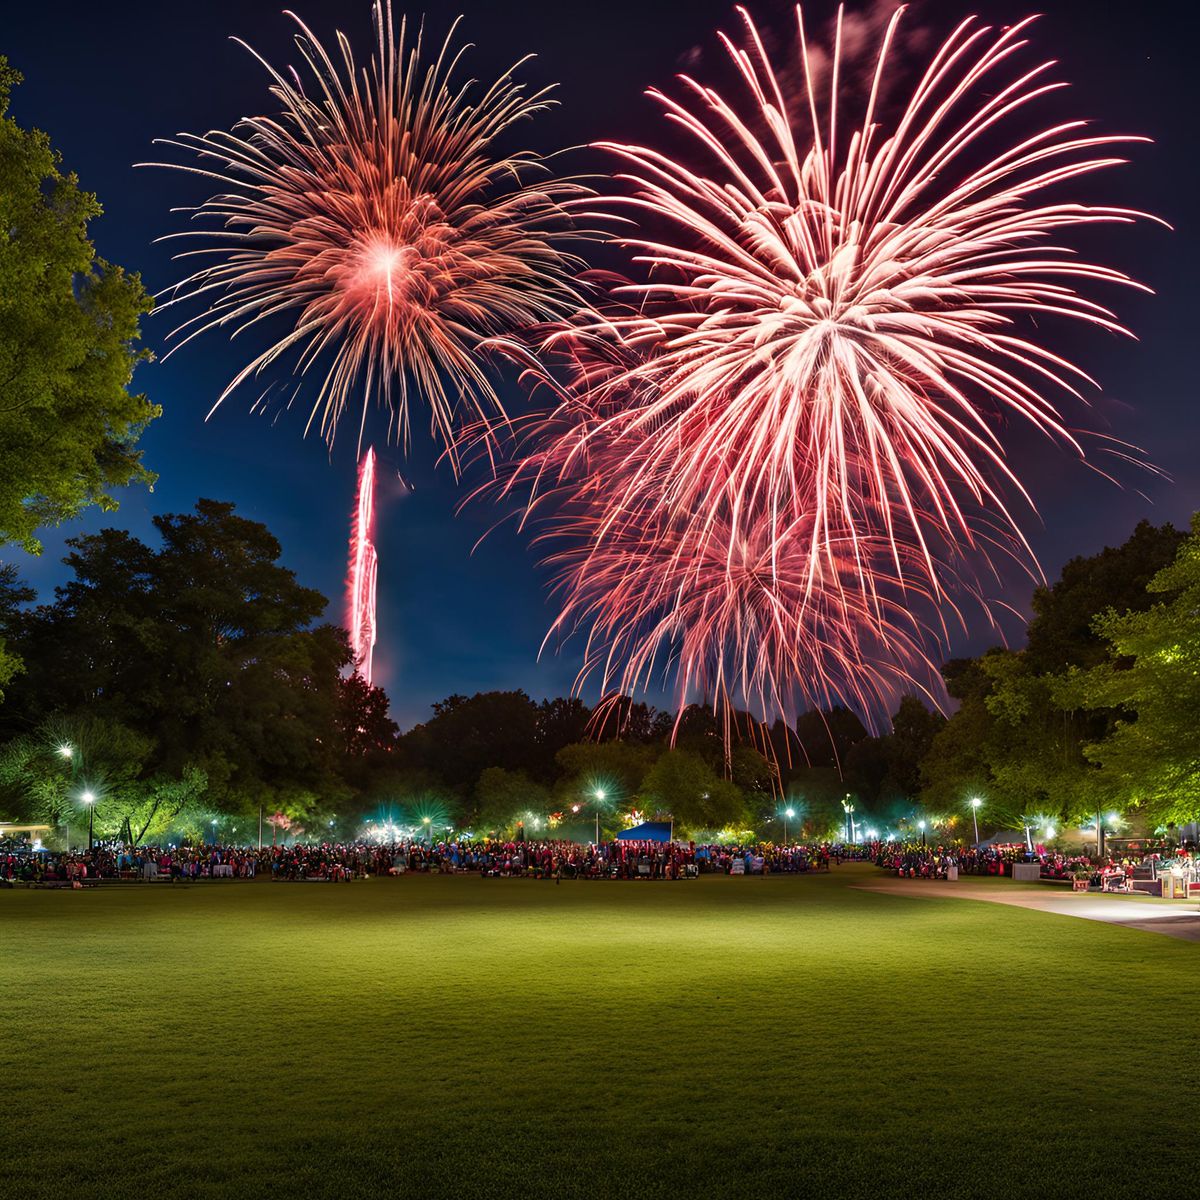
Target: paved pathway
{"type": "Point", "coordinates": [1175, 918]}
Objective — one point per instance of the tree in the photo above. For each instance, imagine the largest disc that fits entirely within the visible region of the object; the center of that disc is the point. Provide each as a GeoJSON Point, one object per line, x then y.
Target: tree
{"type": "Point", "coordinates": [683, 786]}
{"type": "Point", "coordinates": [626, 719]}
{"type": "Point", "coordinates": [826, 737]}
{"type": "Point", "coordinates": [614, 768]}
{"type": "Point", "coordinates": [468, 734]}
{"type": "Point", "coordinates": [68, 344]}
{"type": "Point", "coordinates": [914, 728]}
{"type": "Point", "coordinates": [207, 646]}
{"type": "Point", "coordinates": [560, 723]}
{"type": "Point", "coordinates": [501, 797]}
{"type": "Point", "coordinates": [13, 594]}
{"type": "Point", "coordinates": [45, 773]}
{"type": "Point", "coordinates": [1062, 632]}
{"type": "Point", "coordinates": [1150, 756]}
{"type": "Point", "coordinates": [956, 765]}
{"type": "Point", "coordinates": [363, 717]}
{"type": "Point", "coordinates": [1017, 742]}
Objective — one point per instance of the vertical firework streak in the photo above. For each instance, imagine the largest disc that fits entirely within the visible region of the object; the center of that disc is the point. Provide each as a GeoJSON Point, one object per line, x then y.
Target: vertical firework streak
{"type": "Point", "coordinates": [364, 570]}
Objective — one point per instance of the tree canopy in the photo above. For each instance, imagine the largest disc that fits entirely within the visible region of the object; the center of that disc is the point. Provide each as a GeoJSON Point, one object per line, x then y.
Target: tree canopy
{"type": "Point", "coordinates": [1150, 679]}
{"type": "Point", "coordinates": [69, 425]}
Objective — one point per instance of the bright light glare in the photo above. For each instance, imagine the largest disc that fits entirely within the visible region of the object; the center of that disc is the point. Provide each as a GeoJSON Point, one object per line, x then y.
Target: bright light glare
{"type": "Point", "coordinates": [88, 798]}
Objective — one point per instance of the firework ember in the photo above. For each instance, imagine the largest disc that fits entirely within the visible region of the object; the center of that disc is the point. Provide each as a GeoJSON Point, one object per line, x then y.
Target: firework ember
{"type": "Point", "coordinates": [373, 227]}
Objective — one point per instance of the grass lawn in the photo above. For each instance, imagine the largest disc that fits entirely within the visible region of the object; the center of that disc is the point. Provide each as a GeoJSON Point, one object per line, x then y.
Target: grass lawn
{"type": "Point", "coordinates": [429, 1037]}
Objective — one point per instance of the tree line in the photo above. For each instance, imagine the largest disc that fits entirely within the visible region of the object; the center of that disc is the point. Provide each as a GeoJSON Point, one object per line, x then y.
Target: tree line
{"type": "Point", "coordinates": [191, 685]}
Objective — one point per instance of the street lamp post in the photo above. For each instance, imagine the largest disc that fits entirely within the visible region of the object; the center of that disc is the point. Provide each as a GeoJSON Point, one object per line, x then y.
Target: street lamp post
{"type": "Point", "coordinates": [67, 751]}
{"type": "Point", "coordinates": [975, 816]}
{"type": "Point", "coordinates": [600, 794]}
{"type": "Point", "coordinates": [921, 826]}
{"type": "Point", "coordinates": [90, 800]}
{"type": "Point", "coordinates": [788, 813]}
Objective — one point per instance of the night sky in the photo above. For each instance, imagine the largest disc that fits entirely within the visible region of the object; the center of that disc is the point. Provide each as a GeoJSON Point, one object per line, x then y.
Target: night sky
{"type": "Point", "coordinates": [104, 79]}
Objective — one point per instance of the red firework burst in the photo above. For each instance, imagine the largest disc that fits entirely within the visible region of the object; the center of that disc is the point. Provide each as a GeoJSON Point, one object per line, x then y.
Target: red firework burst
{"type": "Point", "coordinates": [835, 316]}
{"type": "Point", "coordinates": [376, 219]}
{"type": "Point", "coordinates": [787, 437]}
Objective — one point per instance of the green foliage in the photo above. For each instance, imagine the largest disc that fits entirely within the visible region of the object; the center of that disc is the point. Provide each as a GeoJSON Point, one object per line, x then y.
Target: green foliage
{"type": "Point", "coordinates": [1017, 739]}
{"type": "Point", "coordinates": [683, 786]}
{"type": "Point", "coordinates": [826, 737]}
{"type": "Point", "coordinates": [68, 345]}
{"type": "Point", "coordinates": [13, 594]}
{"type": "Point", "coordinates": [1150, 757]}
{"type": "Point", "coordinates": [207, 647]}
{"type": "Point", "coordinates": [44, 774]}
{"type": "Point", "coordinates": [1063, 630]}
{"type": "Point", "coordinates": [468, 734]}
{"type": "Point", "coordinates": [616, 768]}
{"type": "Point", "coordinates": [502, 797]}
{"type": "Point", "coordinates": [886, 771]}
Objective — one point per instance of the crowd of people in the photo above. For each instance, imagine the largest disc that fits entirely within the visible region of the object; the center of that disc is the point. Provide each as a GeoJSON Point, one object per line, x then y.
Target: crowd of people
{"type": "Point", "coordinates": [344, 861]}
{"type": "Point", "coordinates": [336, 862]}
{"type": "Point", "coordinates": [912, 860]}
{"type": "Point", "coordinates": [1110, 873]}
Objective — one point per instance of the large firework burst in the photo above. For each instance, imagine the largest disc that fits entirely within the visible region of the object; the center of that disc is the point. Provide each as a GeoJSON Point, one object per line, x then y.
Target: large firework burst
{"type": "Point", "coordinates": [851, 306]}
{"type": "Point", "coordinates": [379, 231]}
{"type": "Point", "coordinates": [790, 432]}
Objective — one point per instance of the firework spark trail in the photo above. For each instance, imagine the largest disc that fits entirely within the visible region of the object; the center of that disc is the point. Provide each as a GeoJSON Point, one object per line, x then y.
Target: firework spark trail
{"type": "Point", "coordinates": [788, 430]}
{"type": "Point", "coordinates": [364, 570]}
{"type": "Point", "coordinates": [374, 218]}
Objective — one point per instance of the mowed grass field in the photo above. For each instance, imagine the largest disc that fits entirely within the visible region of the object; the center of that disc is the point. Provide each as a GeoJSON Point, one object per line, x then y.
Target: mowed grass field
{"type": "Point", "coordinates": [459, 1037]}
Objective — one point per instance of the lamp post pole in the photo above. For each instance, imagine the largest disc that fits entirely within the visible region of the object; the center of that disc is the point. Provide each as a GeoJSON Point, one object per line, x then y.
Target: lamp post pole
{"type": "Point", "coordinates": [90, 800]}
{"type": "Point", "coordinates": [67, 751]}
{"type": "Point", "coordinates": [975, 817]}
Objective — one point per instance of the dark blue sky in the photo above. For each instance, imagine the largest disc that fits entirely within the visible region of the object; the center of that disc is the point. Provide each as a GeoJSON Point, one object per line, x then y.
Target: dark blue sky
{"type": "Point", "coordinates": [104, 79]}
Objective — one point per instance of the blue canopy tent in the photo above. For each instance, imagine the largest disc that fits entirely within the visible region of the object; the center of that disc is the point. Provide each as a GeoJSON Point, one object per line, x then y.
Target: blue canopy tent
{"type": "Point", "coordinates": [648, 831]}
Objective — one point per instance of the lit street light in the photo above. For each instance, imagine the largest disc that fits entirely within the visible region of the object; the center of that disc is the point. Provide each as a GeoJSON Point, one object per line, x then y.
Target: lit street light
{"type": "Point", "coordinates": [599, 794]}
{"type": "Point", "coordinates": [66, 750]}
{"type": "Point", "coordinates": [975, 803]}
{"type": "Point", "coordinates": [921, 827]}
{"type": "Point", "coordinates": [90, 800]}
{"type": "Point", "coordinates": [788, 814]}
